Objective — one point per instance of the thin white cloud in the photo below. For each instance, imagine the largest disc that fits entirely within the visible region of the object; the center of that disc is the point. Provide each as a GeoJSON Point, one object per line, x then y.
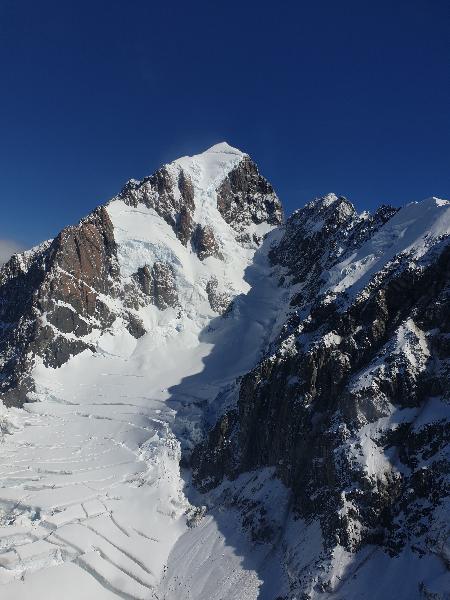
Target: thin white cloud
{"type": "Point", "coordinates": [8, 248]}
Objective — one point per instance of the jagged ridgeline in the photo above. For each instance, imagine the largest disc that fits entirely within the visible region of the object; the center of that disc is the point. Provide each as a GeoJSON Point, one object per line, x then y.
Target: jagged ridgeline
{"type": "Point", "coordinates": [202, 400]}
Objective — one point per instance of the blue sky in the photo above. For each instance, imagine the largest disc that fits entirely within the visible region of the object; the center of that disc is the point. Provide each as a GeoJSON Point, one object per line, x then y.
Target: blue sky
{"type": "Point", "coordinates": [350, 97]}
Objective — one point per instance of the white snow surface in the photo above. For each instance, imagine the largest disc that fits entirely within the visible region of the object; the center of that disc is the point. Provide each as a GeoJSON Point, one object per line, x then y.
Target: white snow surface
{"type": "Point", "coordinates": [208, 169]}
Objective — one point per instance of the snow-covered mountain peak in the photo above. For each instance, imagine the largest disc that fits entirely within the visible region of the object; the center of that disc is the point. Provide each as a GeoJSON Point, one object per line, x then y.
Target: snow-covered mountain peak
{"type": "Point", "coordinates": [330, 206]}
{"type": "Point", "coordinates": [209, 168]}
{"type": "Point", "coordinates": [222, 148]}
{"type": "Point", "coordinates": [180, 239]}
{"type": "Point", "coordinates": [225, 147]}
{"type": "Point", "coordinates": [324, 201]}
{"type": "Point", "coordinates": [299, 371]}
{"type": "Point", "coordinates": [208, 199]}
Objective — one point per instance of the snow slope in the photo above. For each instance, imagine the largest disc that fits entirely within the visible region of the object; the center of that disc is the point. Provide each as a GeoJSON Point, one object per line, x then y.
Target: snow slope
{"type": "Point", "coordinates": [411, 232]}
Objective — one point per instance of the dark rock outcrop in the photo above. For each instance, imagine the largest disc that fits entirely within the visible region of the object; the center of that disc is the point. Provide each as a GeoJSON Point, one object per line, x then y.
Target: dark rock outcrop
{"type": "Point", "coordinates": [245, 197]}
{"type": "Point", "coordinates": [204, 242]}
{"type": "Point", "coordinates": [172, 199]}
{"type": "Point", "coordinates": [218, 300]}
{"type": "Point", "coordinates": [158, 284]}
{"type": "Point", "coordinates": [57, 291]}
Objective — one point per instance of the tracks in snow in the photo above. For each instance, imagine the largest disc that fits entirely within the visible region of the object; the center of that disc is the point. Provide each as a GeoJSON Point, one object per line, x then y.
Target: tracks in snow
{"type": "Point", "coordinates": [89, 498]}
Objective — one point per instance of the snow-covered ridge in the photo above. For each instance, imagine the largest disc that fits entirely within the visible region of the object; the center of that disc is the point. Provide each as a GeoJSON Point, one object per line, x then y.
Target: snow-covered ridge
{"type": "Point", "coordinates": [412, 231]}
{"type": "Point", "coordinates": [213, 162]}
{"type": "Point", "coordinates": [206, 169]}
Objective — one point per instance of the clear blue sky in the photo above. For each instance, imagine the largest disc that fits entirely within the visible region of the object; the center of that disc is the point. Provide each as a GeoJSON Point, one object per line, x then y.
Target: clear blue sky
{"type": "Point", "coordinates": [344, 96]}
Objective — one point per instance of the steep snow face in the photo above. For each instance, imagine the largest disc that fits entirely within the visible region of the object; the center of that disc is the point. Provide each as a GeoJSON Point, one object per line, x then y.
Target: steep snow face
{"type": "Point", "coordinates": [144, 238]}
{"type": "Point", "coordinates": [208, 169]}
{"type": "Point", "coordinates": [411, 233]}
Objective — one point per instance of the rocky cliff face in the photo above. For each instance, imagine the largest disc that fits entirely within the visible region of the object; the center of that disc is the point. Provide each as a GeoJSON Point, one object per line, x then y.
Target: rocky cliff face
{"type": "Point", "coordinates": [350, 403]}
{"type": "Point", "coordinates": [303, 369]}
{"type": "Point", "coordinates": [169, 194]}
{"type": "Point", "coordinates": [52, 299]}
{"type": "Point", "coordinates": [244, 197]}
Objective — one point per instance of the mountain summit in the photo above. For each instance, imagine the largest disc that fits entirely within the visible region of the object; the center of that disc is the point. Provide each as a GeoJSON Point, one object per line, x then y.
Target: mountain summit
{"type": "Point", "coordinates": [191, 228]}
{"type": "Point", "coordinates": [201, 400]}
